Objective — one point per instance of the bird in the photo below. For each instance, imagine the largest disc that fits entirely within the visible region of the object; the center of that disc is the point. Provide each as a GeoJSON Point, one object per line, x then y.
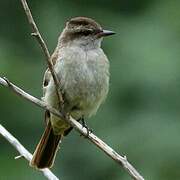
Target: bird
{"type": "Point", "coordinates": [82, 69]}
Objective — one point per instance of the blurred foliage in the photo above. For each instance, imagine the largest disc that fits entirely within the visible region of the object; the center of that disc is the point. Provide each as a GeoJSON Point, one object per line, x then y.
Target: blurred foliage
{"type": "Point", "coordinates": [140, 117]}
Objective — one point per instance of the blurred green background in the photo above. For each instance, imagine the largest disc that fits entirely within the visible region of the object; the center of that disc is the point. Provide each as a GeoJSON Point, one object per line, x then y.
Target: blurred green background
{"type": "Point", "coordinates": [140, 118]}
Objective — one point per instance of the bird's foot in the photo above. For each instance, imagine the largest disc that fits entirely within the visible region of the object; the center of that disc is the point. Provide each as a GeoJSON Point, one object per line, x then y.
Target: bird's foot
{"type": "Point", "coordinates": [84, 124]}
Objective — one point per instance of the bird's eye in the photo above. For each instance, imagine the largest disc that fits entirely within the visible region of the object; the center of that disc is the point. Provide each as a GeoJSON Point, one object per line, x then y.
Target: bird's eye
{"type": "Point", "coordinates": [87, 32]}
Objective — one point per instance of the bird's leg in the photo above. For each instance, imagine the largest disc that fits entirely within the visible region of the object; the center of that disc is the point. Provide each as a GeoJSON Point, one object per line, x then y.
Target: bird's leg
{"type": "Point", "coordinates": [84, 124]}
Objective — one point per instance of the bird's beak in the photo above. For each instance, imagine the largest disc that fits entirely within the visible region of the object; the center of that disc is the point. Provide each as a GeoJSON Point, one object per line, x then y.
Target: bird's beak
{"type": "Point", "coordinates": [106, 33]}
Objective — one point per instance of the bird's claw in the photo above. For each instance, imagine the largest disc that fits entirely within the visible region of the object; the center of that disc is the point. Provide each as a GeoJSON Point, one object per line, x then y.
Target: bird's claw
{"type": "Point", "coordinates": [89, 131]}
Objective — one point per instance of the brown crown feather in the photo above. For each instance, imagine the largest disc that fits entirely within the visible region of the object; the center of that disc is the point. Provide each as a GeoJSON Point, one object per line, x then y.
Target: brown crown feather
{"type": "Point", "coordinates": [83, 21]}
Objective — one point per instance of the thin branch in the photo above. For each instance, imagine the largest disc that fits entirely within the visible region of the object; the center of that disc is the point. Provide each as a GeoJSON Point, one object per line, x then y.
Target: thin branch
{"type": "Point", "coordinates": [35, 31]}
{"type": "Point", "coordinates": [24, 152]}
{"type": "Point", "coordinates": [94, 139]}
{"type": "Point", "coordinates": [37, 35]}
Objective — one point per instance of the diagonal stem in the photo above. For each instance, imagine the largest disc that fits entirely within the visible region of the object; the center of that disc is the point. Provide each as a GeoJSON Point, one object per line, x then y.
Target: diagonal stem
{"type": "Point", "coordinates": [37, 35]}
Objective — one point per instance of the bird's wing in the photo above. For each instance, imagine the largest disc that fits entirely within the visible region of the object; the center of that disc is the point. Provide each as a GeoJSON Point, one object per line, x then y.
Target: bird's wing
{"type": "Point", "coordinates": [47, 74]}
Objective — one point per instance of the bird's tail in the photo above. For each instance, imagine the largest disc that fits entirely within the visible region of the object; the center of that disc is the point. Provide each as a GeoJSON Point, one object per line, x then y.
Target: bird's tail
{"type": "Point", "coordinates": [46, 150]}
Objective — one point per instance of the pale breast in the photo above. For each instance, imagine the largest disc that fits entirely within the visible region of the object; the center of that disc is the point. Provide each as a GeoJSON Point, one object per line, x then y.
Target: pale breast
{"type": "Point", "coordinates": [84, 77]}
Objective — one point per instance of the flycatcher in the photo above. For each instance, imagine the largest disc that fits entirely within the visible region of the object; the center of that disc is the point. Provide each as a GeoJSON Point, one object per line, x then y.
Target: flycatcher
{"type": "Point", "coordinates": [83, 72]}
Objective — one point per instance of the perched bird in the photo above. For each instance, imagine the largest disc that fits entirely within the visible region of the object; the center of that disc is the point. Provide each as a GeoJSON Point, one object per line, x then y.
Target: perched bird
{"type": "Point", "coordinates": [83, 72]}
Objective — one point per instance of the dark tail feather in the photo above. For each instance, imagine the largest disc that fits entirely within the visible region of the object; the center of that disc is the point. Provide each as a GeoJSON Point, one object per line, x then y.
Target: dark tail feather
{"type": "Point", "coordinates": [46, 150]}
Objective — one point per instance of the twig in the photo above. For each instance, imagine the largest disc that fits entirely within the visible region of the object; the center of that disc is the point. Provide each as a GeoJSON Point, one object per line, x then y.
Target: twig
{"type": "Point", "coordinates": [37, 35]}
{"type": "Point", "coordinates": [18, 157]}
{"type": "Point", "coordinates": [35, 30]}
{"type": "Point", "coordinates": [94, 139]}
{"type": "Point", "coordinates": [24, 152]}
